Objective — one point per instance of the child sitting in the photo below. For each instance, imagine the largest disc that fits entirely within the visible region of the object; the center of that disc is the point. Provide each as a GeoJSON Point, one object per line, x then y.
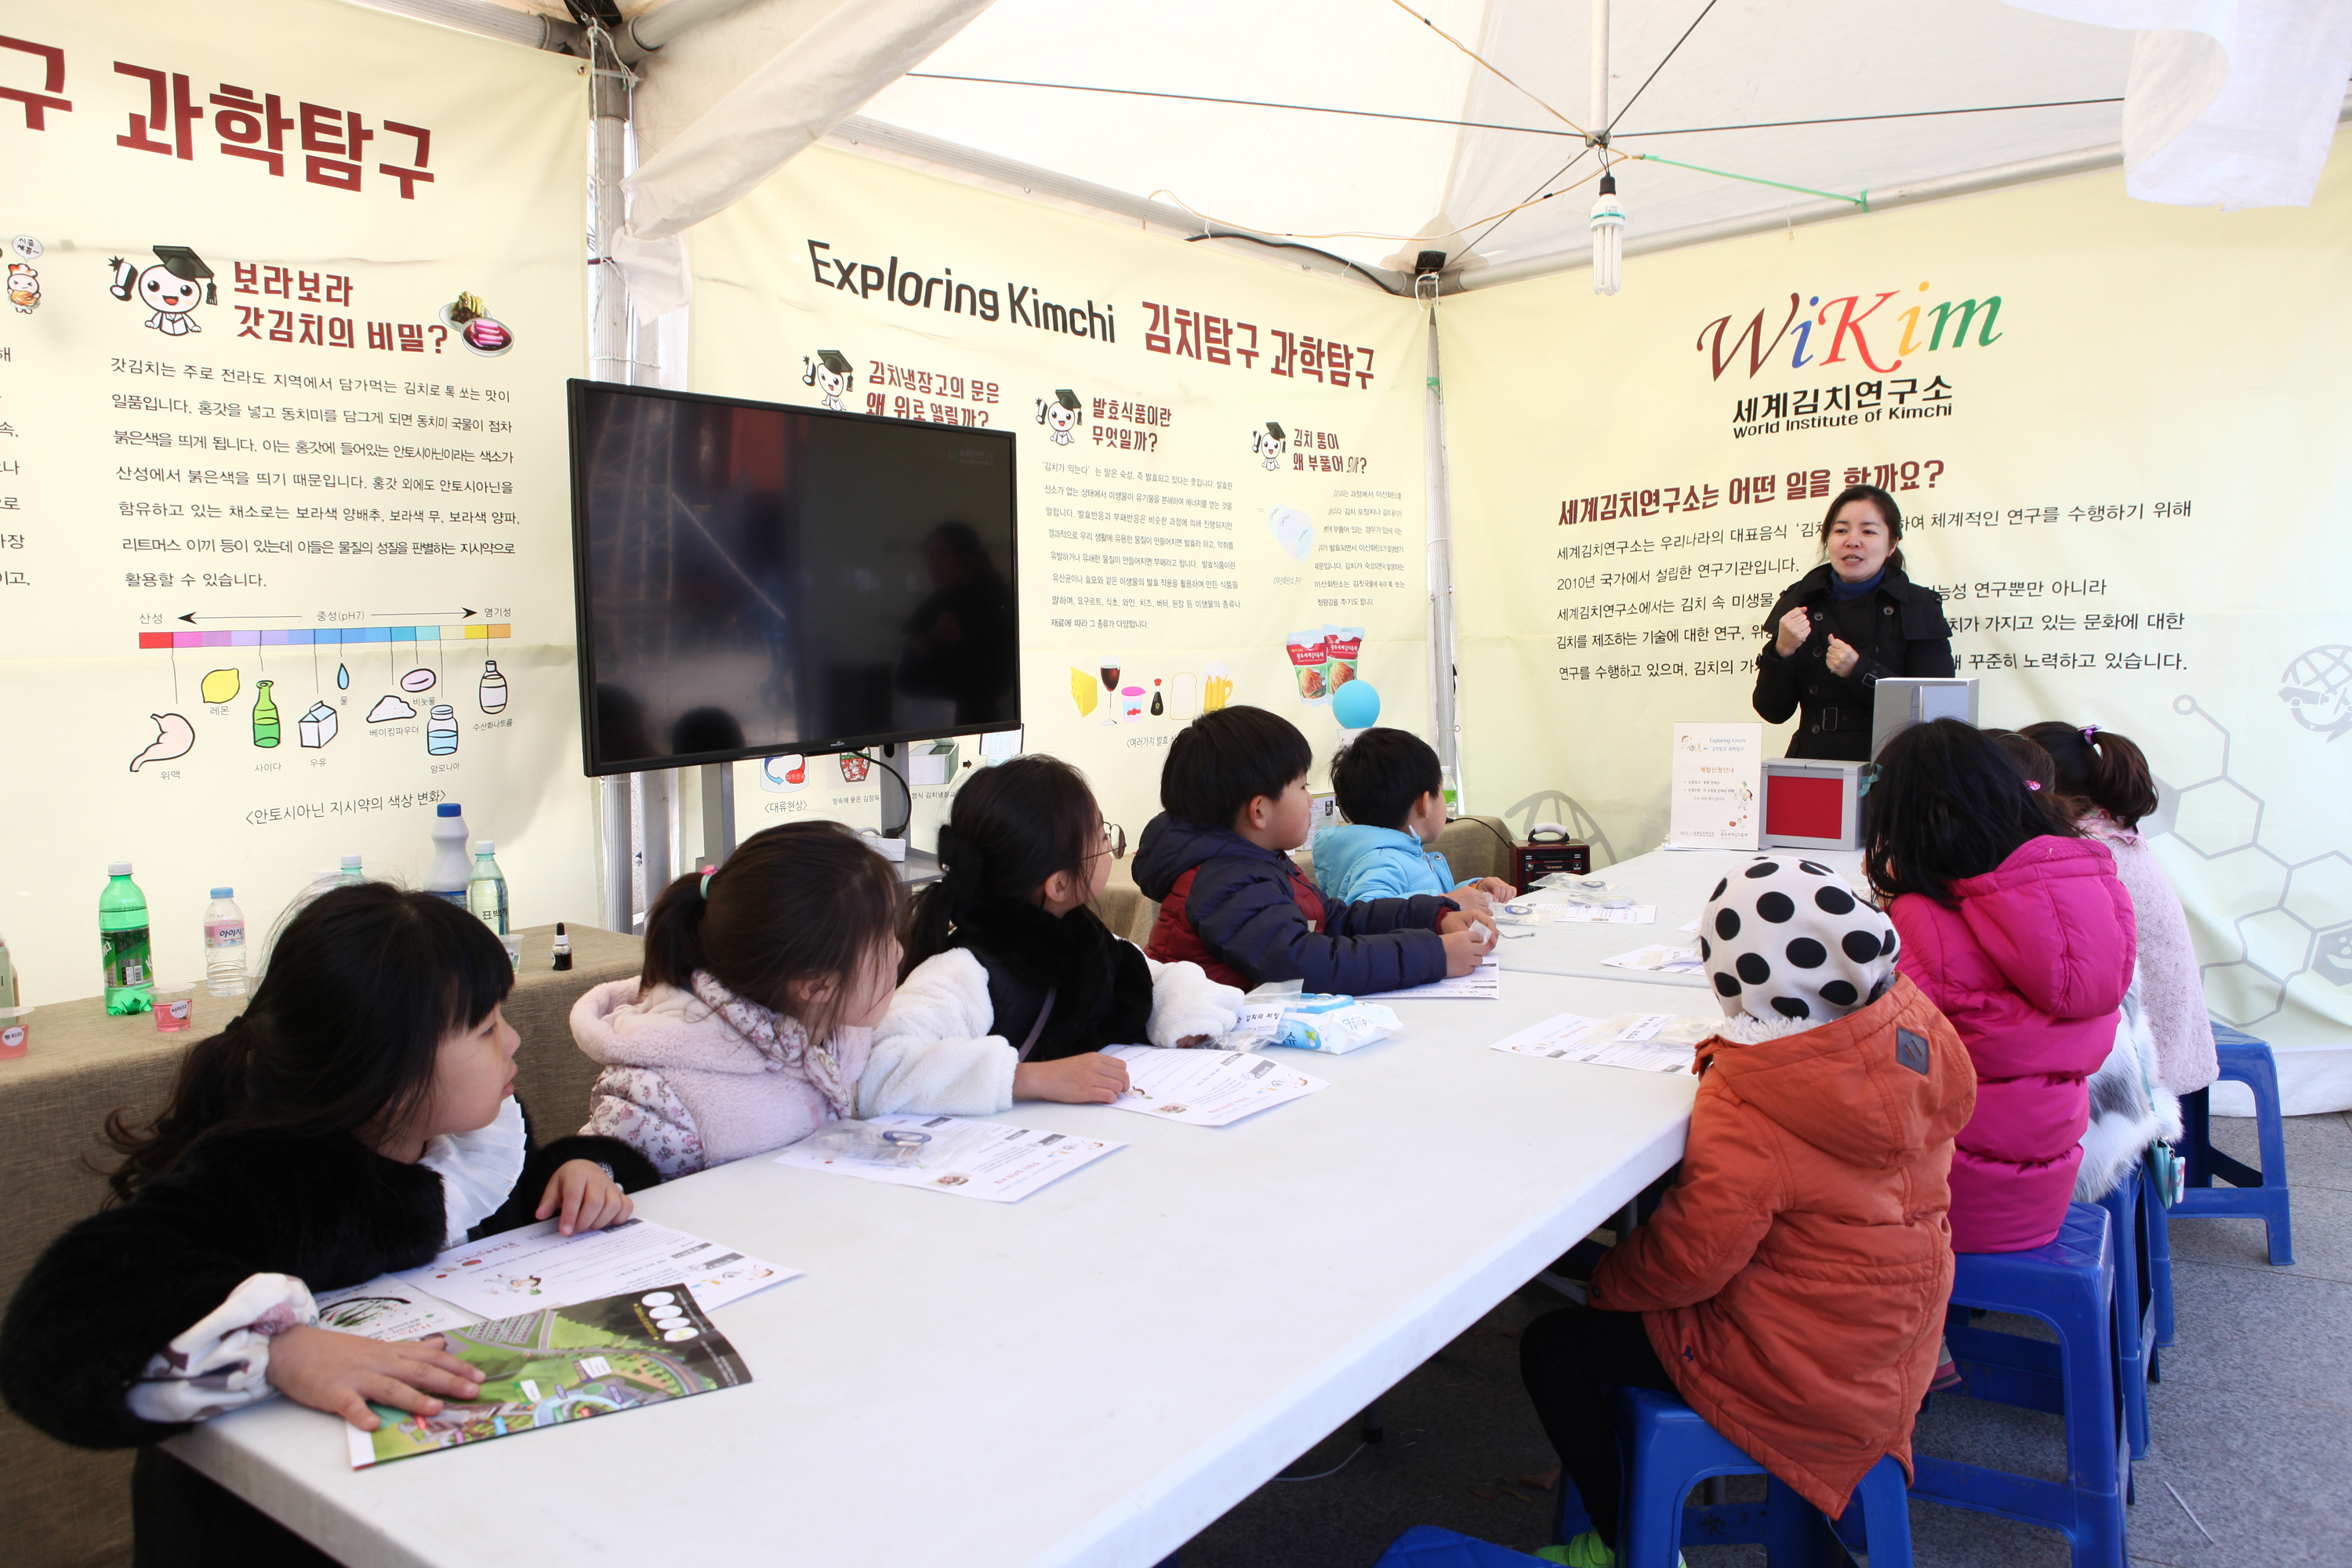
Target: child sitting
{"type": "Point", "coordinates": [355, 1119]}
{"type": "Point", "coordinates": [1791, 1285]}
{"type": "Point", "coordinates": [2015, 926]}
{"type": "Point", "coordinates": [1392, 790]}
{"type": "Point", "coordinates": [1234, 793]}
{"type": "Point", "coordinates": [1003, 949]}
{"type": "Point", "coordinates": [751, 1025]}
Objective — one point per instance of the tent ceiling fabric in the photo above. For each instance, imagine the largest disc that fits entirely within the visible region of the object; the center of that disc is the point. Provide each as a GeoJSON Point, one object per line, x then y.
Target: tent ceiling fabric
{"type": "Point", "coordinates": [1281, 171]}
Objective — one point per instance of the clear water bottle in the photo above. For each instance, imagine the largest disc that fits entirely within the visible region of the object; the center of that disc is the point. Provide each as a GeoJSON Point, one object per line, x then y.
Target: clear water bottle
{"type": "Point", "coordinates": [124, 950]}
{"type": "Point", "coordinates": [486, 890]}
{"type": "Point", "coordinates": [351, 877]}
{"type": "Point", "coordinates": [224, 944]}
{"type": "Point", "coordinates": [451, 870]}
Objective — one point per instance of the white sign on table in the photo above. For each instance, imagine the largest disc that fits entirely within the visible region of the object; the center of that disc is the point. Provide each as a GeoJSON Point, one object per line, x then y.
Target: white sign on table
{"type": "Point", "coordinates": [537, 1265]}
{"type": "Point", "coordinates": [1484, 984]}
{"type": "Point", "coordinates": [992, 1161]}
{"type": "Point", "coordinates": [1206, 1087]}
{"type": "Point", "coordinates": [1716, 801]}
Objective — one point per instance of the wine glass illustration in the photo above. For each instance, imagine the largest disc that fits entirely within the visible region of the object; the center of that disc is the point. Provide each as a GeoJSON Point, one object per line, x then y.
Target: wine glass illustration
{"type": "Point", "coordinates": [1110, 687]}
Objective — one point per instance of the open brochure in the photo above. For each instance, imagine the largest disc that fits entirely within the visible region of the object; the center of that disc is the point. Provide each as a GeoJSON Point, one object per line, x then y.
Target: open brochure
{"type": "Point", "coordinates": [387, 1307]}
{"type": "Point", "coordinates": [543, 1368]}
{"type": "Point", "coordinates": [538, 1265]}
{"type": "Point", "coordinates": [987, 1160]}
{"type": "Point", "coordinates": [1645, 1042]}
{"type": "Point", "coordinates": [1484, 984]}
{"type": "Point", "coordinates": [1206, 1087]}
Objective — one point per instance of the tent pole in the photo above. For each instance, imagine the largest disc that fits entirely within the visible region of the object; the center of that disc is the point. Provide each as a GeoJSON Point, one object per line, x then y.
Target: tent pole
{"type": "Point", "coordinates": [1445, 711]}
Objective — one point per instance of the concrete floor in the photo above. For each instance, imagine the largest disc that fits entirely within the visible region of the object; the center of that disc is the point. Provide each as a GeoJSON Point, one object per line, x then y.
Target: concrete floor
{"type": "Point", "coordinates": [2251, 1425]}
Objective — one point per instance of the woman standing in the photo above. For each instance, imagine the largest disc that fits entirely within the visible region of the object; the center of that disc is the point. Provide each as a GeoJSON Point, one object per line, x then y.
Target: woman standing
{"type": "Point", "coordinates": [1845, 624]}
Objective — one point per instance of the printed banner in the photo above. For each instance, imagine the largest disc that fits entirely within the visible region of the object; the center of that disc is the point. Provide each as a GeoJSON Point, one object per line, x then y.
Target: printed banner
{"type": "Point", "coordinates": [284, 514]}
{"type": "Point", "coordinates": [1221, 493]}
{"type": "Point", "coordinates": [2117, 447]}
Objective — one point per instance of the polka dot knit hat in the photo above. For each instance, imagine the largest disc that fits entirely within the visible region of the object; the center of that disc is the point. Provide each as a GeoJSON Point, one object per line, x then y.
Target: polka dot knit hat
{"type": "Point", "coordinates": [1787, 939]}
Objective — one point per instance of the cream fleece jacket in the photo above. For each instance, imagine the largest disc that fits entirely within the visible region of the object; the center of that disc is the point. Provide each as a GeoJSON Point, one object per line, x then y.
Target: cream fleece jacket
{"type": "Point", "coordinates": [684, 1087]}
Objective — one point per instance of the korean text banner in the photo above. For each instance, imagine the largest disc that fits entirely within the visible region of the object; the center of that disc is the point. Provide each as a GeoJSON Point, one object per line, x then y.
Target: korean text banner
{"type": "Point", "coordinates": [284, 543]}
{"type": "Point", "coordinates": [1220, 485]}
{"type": "Point", "coordinates": [2113, 430]}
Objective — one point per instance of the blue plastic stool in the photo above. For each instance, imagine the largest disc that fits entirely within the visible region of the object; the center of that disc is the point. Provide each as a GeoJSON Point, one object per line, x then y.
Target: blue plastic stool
{"type": "Point", "coordinates": [2131, 1224]}
{"type": "Point", "coordinates": [1672, 1449]}
{"type": "Point", "coordinates": [2069, 1285]}
{"type": "Point", "coordinates": [1426, 1546]}
{"type": "Point", "coordinates": [2257, 1194]}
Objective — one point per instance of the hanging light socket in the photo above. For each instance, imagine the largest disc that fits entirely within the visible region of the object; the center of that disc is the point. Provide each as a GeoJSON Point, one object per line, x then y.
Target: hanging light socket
{"type": "Point", "coordinates": [1608, 239]}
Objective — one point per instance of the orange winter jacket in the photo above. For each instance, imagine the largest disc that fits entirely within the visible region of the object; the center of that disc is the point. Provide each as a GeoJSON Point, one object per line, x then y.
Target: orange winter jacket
{"type": "Point", "coordinates": [1794, 1280]}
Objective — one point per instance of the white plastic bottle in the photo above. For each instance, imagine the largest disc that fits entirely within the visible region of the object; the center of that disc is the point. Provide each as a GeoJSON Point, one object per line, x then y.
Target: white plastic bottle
{"type": "Point", "coordinates": [224, 944]}
{"type": "Point", "coordinates": [452, 867]}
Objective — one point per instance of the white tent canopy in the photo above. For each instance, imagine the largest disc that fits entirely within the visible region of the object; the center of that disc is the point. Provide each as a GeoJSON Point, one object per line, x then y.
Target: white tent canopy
{"type": "Point", "coordinates": [1357, 128]}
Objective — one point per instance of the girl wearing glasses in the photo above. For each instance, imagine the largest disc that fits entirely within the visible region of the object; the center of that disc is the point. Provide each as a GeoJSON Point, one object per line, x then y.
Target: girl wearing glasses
{"type": "Point", "coordinates": [1004, 945]}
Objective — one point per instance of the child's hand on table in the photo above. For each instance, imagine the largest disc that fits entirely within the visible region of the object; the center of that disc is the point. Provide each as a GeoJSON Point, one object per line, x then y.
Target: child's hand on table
{"type": "Point", "coordinates": [588, 1196]}
{"type": "Point", "coordinates": [1484, 893]}
{"type": "Point", "coordinates": [1481, 920]}
{"type": "Point", "coordinates": [1464, 947]}
{"type": "Point", "coordinates": [340, 1374]}
{"type": "Point", "coordinates": [1093, 1078]}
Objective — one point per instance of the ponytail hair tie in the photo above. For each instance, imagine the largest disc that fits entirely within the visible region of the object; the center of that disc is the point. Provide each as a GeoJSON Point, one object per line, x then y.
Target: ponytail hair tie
{"type": "Point", "coordinates": [962, 865]}
{"type": "Point", "coordinates": [2090, 734]}
{"type": "Point", "coordinates": [708, 872]}
{"type": "Point", "coordinates": [2033, 784]}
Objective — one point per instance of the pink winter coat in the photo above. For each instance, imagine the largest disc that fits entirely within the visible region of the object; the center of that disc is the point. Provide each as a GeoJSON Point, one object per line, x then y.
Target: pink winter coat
{"type": "Point", "coordinates": [2030, 969]}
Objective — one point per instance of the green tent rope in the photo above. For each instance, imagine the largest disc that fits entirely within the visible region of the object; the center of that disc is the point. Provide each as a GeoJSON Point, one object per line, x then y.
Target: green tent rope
{"type": "Point", "coordinates": [1861, 201]}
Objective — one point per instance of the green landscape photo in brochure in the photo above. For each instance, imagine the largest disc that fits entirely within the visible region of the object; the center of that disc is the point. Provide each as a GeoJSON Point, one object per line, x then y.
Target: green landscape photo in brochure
{"type": "Point", "coordinates": [566, 1363]}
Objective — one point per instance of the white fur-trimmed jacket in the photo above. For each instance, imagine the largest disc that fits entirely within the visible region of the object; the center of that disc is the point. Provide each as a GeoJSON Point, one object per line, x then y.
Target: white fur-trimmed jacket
{"type": "Point", "coordinates": [944, 1003]}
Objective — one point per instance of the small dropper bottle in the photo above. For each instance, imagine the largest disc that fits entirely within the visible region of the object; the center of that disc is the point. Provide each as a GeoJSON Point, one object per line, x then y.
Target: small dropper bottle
{"type": "Point", "coordinates": [562, 948]}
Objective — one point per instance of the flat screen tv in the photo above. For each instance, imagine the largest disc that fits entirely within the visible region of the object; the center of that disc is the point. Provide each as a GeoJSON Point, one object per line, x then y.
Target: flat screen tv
{"type": "Point", "coordinates": [756, 578]}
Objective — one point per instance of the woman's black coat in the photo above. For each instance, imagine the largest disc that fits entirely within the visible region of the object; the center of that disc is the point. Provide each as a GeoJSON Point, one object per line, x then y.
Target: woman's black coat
{"type": "Point", "coordinates": [1896, 629]}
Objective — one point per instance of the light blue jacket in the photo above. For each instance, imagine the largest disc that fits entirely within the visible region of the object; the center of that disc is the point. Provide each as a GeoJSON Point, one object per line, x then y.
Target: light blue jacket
{"type": "Point", "coordinates": [1353, 861]}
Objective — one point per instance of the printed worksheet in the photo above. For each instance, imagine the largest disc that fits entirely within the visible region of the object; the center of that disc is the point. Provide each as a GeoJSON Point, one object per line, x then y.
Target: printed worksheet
{"type": "Point", "coordinates": [1206, 1088]}
{"type": "Point", "coordinates": [1593, 915]}
{"type": "Point", "coordinates": [1484, 984]}
{"type": "Point", "coordinates": [992, 1161]}
{"type": "Point", "coordinates": [1632, 1042]}
{"type": "Point", "coordinates": [538, 1266]}
{"type": "Point", "coordinates": [1664, 960]}
{"type": "Point", "coordinates": [386, 1307]}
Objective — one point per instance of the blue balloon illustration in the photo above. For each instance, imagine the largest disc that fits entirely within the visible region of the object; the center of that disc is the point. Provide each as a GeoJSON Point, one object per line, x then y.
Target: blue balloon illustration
{"type": "Point", "coordinates": [1356, 705]}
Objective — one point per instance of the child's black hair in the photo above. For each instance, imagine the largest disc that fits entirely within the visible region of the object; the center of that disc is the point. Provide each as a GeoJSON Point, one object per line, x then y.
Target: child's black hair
{"type": "Point", "coordinates": [802, 901]}
{"type": "Point", "coordinates": [1011, 827]}
{"type": "Point", "coordinates": [1221, 761]}
{"type": "Point", "coordinates": [2095, 767]}
{"type": "Point", "coordinates": [1382, 774]}
{"type": "Point", "coordinates": [341, 1036]}
{"type": "Point", "coordinates": [1949, 804]}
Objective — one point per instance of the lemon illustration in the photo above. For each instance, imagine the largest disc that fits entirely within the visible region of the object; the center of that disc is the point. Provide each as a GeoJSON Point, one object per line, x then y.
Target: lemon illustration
{"type": "Point", "coordinates": [220, 685]}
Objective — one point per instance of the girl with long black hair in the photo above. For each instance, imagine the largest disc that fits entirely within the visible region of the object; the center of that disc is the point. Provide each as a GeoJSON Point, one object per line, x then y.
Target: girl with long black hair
{"type": "Point", "coordinates": [1004, 945]}
{"type": "Point", "coordinates": [357, 1118]}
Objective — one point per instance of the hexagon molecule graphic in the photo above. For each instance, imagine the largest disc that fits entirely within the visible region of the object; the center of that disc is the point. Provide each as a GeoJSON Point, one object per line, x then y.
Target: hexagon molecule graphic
{"type": "Point", "coordinates": [2300, 918]}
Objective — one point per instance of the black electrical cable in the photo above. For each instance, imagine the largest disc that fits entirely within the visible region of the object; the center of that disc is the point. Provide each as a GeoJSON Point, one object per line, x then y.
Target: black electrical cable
{"type": "Point", "coordinates": [1655, 69]}
{"type": "Point", "coordinates": [1857, 119]}
{"type": "Point", "coordinates": [1311, 250]}
{"type": "Point", "coordinates": [907, 821]}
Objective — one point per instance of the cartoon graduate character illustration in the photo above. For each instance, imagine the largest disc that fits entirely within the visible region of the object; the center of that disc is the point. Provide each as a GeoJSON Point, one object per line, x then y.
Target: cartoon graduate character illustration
{"type": "Point", "coordinates": [24, 287]}
{"type": "Point", "coordinates": [1268, 444]}
{"type": "Point", "coordinates": [830, 374]}
{"type": "Point", "coordinates": [1060, 415]}
{"type": "Point", "coordinates": [171, 288]}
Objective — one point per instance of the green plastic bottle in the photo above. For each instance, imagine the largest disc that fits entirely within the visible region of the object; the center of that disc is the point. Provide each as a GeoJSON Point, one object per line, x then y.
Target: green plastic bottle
{"type": "Point", "coordinates": [265, 715]}
{"type": "Point", "coordinates": [486, 890]}
{"type": "Point", "coordinates": [122, 946]}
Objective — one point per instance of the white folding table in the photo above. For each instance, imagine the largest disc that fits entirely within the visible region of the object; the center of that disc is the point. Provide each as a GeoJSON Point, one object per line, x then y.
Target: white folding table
{"type": "Point", "coordinates": [1677, 882]}
{"type": "Point", "coordinates": [1086, 1377]}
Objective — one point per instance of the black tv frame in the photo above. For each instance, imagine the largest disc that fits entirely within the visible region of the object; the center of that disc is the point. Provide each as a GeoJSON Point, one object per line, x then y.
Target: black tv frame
{"type": "Point", "coordinates": [576, 391]}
